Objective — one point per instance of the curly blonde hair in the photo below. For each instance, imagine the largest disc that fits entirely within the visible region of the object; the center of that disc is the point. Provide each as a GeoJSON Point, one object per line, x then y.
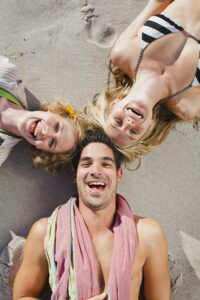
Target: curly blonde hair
{"type": "Point", "coordinates": [54, 162]}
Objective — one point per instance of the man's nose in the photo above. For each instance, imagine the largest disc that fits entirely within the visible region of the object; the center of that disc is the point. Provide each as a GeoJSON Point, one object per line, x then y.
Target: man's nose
{"type": "Point", "coordinates": [95, 170]}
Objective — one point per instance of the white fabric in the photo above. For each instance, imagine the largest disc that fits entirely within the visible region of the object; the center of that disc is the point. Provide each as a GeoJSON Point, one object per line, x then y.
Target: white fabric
{"type": "Point", "coordinates": [10, 81]}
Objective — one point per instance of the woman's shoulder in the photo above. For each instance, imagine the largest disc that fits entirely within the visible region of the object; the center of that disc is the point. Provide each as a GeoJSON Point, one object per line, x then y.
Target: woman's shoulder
{"type": "Point", "coordinates": [186, 106]}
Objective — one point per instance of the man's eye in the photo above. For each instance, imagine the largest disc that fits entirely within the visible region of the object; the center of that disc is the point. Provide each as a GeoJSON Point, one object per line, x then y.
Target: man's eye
{"type": "Point", "coordinates": [85, 165]}
{"type": "Point", "coordinates": [57, 127]}
{"type": "Point", "coordinates": [107, 165]}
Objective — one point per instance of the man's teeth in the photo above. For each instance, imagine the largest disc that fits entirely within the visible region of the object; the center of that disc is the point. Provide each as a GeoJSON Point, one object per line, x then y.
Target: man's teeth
{"type": "Point", "coordinates": [96, 185]}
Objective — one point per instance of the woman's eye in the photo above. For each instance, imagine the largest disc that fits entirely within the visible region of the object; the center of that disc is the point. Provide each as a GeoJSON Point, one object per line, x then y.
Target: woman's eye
{"type": "Point", "coordinates": [133, 131]}
{"type": "Point", "coordinates": [118, 122]}
{"type": "Point", "coordinates": [57, 127]}
{"type": "Point", "coordinates": [51, 142]}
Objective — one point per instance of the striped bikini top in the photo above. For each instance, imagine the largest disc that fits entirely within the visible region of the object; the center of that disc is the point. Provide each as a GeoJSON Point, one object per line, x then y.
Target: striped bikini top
{"type": "Point", "coordinates": [156, 27]}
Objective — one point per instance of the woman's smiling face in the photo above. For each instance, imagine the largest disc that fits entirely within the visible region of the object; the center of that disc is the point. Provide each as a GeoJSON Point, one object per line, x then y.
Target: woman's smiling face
{"type": "Point", "coordinates": [48, 131]}
{"type": "Point", "coordinates": [128, 121]}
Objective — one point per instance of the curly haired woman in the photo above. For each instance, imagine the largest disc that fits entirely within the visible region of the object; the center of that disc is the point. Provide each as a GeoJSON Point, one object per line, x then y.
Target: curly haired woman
{"type": "Point", "coordinates": [52, 130]}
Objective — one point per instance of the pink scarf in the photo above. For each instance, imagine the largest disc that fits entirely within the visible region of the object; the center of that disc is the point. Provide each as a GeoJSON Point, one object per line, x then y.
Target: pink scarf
{"type": "Point", "coordinates": [72, 235]}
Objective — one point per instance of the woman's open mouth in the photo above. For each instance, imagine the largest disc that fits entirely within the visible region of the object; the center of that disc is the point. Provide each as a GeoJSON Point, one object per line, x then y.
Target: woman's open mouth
{"type": "Point", "coordinates": [136, 112]}
{"type": "Point", "coordinates": [33, 129]}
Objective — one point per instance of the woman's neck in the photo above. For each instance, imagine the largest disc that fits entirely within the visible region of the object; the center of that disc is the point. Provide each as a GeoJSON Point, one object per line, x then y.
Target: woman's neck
{"type": "Point", "coordinates": [9, 116]}
{"type": "Point", "coordinates": [152, 85]}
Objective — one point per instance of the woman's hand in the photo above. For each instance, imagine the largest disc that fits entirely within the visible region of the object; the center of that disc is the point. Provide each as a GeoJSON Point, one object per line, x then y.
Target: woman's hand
{"type": "Point", "coordinates": [98, 297]}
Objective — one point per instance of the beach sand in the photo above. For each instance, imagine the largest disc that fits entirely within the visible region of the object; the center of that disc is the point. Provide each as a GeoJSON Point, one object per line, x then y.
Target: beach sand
{"type": "Point", "coordinates": [62, 49]}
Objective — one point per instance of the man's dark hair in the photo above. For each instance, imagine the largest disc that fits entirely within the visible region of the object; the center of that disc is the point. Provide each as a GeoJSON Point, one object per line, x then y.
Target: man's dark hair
{"type": "Point", "coordinates": [97, 136]}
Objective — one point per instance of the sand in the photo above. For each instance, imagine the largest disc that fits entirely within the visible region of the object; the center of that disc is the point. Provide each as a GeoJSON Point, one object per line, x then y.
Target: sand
{"type": "Point", "coordinates": [62, 49]}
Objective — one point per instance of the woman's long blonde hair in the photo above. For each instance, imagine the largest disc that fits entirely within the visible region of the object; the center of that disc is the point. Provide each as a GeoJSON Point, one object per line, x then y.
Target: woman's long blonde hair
{"type": "Point", "coordinates": [99, 108]}
{"type": "Point", "coordinates": [163, 121]}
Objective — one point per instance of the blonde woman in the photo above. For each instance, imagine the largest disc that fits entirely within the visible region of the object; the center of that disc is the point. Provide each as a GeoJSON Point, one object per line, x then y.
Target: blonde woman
{"type": "Point", "coordinates": [159, 52]}
{"type": "Point", "coordinates": [51, 131]}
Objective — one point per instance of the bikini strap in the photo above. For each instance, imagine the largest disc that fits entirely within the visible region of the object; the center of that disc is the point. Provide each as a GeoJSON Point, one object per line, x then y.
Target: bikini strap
{"type": "Point", "coordinates": [139, 60]}
{"type": "Point", "coordinates": [177, 93]}
{"type": "Point", "coordinates": [191, 36]}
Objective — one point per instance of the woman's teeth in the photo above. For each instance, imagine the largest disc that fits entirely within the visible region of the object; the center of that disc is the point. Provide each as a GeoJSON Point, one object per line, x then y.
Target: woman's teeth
{"type": "Point", "coordinates": [136, 112]}
{"type": "Point", "coordinates": [34, 129]}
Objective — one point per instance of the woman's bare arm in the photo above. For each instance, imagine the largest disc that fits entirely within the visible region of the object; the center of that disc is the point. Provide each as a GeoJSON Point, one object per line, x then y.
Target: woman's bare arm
{"type": "Point", "coordinates": [122, 53]}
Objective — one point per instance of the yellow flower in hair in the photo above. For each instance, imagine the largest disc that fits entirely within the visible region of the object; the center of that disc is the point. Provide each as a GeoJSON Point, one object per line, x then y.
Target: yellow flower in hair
{"type": "Point", "coordinates": [70, 110]}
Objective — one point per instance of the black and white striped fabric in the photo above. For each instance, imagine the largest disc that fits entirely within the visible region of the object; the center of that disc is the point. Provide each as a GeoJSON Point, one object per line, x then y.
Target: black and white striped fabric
{"type": "Point", "coordinates": [158, 26]}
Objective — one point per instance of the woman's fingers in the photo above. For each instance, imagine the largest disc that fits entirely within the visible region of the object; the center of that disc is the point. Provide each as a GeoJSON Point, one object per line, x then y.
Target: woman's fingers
{"type": "Point", "coordinates": [98, 297]}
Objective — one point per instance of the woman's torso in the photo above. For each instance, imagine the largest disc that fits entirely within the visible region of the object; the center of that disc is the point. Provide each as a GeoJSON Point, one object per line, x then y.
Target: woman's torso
{"type": "Point", "coordinates": [173, 47]}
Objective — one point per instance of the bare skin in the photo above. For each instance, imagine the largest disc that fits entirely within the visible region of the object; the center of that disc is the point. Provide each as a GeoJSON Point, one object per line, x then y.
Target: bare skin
{"type": "Point", "coordinates": [151, 259]}
{"type": "Point", "coordinates": [169, 62]}
{"type": "Point", "coordinates": [43, 129]}
{"type": "Point", "coordinates": [151, 251]}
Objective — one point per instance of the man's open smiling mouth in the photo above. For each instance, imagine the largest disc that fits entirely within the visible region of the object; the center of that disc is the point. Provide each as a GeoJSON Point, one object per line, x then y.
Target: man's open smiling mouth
{"type": "Point", "coordinates": [96, 186]}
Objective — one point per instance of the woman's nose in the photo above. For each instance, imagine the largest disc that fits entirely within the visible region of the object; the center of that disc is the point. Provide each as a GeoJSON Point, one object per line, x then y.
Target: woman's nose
{"type": "Point", "coordinates": [47, 131]}
{"type": "Point", "coordinates": [130, 121]}
{"type": "Point", "coordinates": [44, 129]}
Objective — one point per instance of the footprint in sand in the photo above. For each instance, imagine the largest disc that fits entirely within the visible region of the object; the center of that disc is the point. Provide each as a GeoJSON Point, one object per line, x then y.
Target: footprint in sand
{"type": "Point", "coordinates": [100, 34]}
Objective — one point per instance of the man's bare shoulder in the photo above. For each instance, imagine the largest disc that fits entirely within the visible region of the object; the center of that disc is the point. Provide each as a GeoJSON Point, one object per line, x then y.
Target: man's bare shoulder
{"type": "Point", "coordinates": [38, 230]}
{"type": "Point", "coordinates": [33, 271]}
{"type": "Point", "coordinates": [152, 247]}
{"type": "Point", "coordinates": [150, 232]}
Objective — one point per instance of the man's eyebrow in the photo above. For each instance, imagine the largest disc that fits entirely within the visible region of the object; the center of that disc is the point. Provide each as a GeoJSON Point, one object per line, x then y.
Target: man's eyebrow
{"type": "Point", "coordinates": [84, 158]}
{"type": "Point", "coordinates": [107, 158]}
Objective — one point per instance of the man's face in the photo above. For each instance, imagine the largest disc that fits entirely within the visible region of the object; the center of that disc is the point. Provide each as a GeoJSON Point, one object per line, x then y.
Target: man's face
{"type": "Point", "coordinates": [97, 176]}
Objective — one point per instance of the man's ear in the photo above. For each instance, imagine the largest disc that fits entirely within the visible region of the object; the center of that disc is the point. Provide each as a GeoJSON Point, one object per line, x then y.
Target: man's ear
{"type": "Point", "coordinates": [119, 175]}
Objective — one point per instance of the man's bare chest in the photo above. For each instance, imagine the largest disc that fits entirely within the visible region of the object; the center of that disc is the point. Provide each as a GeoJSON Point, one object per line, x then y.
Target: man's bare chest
{"type": "Point", "coordinates": [103, 245]}
{"type": "Point", "coordinates": [137, 272]}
